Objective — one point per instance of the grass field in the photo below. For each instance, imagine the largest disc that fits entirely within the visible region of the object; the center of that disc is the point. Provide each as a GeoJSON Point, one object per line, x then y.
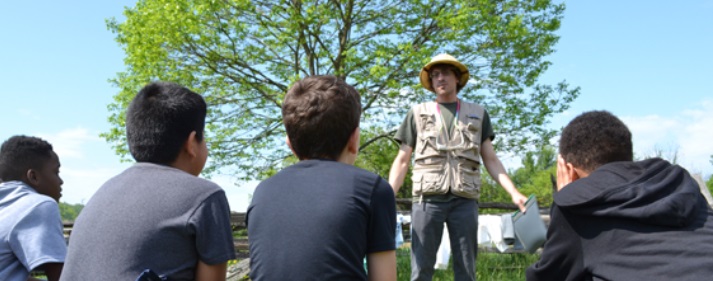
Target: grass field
{"type": "Point", "coordinates": [490, 266]}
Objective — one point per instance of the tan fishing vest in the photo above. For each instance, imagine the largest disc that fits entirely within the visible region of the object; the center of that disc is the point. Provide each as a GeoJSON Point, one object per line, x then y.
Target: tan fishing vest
{"type": "Point", "coordinates": [442, 163]}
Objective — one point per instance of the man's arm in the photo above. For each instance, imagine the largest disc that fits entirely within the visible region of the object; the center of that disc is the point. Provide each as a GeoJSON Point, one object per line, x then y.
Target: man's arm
{"type": "Point", "coordinates": [497, 171]}
{"type": "Point", "coordinates": [52, 270]}
{"type": "Point", "coordinates": [382, 265]}
{"type": "Point", "coordinates": [207, 272]}
{"type": "Point", "coordinates": [400, 167]}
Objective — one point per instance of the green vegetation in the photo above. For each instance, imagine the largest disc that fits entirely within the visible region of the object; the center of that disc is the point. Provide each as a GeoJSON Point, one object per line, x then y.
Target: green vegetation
{"type": "Point", "coordinates": [490, 266]}
{"type": "Point", "coordinates": [69, 212]}
{"type": "Point", "coordinates": [243, 55]}
{"type": "Point", "coordinates": [534, 177]}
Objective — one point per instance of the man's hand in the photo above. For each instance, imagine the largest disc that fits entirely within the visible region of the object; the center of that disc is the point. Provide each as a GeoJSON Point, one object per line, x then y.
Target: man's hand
{"type": "Point", "coordinates": [519, 200]}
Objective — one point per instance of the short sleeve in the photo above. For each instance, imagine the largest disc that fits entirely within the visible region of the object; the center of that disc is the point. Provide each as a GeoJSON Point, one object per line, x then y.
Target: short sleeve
{"type": "Point", "coordinates": [38, 237]}
{"type": "Point", "coordinates": [382, 230]}
{"type": "Point", "coordinates": [406, 134]}
{"type": "Point", "coordinates": [488, 132]}
{"type": "Point", "coordinates": [214, 237]}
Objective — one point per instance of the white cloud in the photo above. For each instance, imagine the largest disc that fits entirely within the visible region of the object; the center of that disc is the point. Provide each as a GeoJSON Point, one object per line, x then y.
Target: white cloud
{"type": "Point", "coordinates": [651, 132]}
{"type": "Point", "coordinates": [688, 133]}
{"type": "Point", "coordinates": [70, 143]}
{"type": "Point", "coordinates": [80, 184]}
{"type": "Point", "coordinates": [86, 162]}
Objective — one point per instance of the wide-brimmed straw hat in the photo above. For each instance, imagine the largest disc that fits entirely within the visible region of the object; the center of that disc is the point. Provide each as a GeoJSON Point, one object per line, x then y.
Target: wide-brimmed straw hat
{"type": "Point", "coordinates": [443, 59]}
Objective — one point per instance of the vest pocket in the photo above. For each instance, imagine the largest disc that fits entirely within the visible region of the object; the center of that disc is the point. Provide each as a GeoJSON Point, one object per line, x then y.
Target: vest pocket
{"type": "Point", "coordinates": [471, 144]}
{"type": "Point", "coordinates": [428, 161]}
{"type": "Point", "coordinates": [471, 132]}
{"type": "Point", "coordinates": [467, 182]}
{"type": "Point", "coordinates": [427, 141]}
{"type": "Point", "coordinates": [428, 184]}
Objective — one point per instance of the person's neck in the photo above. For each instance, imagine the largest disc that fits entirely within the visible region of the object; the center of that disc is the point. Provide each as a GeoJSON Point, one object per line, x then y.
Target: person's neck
{"type": "Point", "coordinates": [185, 165]}
{"type": "Point", "coordinates": [447, 98]}
{"type": "Point", "coordinates": [346, 157]}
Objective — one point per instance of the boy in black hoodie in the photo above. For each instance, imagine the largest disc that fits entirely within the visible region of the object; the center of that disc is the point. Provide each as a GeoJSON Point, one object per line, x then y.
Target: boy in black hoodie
{"type": "Point", "coordinates": [616, 219]}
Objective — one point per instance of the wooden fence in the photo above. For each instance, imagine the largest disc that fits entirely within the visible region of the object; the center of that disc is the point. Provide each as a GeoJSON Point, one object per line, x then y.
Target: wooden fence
{"type": "Point", "coordinates": [237, 220]}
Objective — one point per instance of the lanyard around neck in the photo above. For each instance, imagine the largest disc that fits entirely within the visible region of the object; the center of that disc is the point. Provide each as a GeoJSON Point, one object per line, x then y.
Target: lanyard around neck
{"type": "Point", "coordinates": [443, 121]}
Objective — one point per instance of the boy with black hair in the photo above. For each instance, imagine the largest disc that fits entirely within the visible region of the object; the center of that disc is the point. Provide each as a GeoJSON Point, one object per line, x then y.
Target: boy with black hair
{"type": "Point", "coordinates": [31, 235]}
{"type": "Point", "coordinates": [319, 218]}
{"type": "Point", "coordinates": [157, 214]}
{"type": "Point", "coordinates": [616, 219]}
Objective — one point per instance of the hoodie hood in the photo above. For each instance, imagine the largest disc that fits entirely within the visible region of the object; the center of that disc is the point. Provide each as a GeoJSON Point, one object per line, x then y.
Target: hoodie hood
{"type": "Point", "coordinates": [651, 191]}
{"type": "Point", "coordinates": [10, 191]}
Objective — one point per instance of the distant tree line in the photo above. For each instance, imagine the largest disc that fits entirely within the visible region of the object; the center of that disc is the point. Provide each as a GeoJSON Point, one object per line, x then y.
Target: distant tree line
{"type": "Point", "coordinates": [69, 212]}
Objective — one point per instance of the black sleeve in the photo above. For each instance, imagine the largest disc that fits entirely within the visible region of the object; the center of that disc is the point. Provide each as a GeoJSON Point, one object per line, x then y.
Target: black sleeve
{"type": "Point", "coordinates": [562, 256]}
{"type": "Point", "coordinates": [487, 128]}
{"type": "Point", "coordinates": [382, 222]}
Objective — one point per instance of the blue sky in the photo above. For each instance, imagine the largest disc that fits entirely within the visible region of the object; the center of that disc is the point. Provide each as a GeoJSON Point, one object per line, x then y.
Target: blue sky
{"type": "Point", "coordinates": [649, 62]}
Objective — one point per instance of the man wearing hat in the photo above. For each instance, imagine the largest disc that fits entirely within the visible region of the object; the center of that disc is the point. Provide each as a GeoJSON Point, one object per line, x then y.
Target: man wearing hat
{"type": "Point", "coordinates": [450, 138]}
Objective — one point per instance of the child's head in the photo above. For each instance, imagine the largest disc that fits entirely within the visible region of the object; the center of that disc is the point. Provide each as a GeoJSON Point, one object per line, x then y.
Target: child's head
{"type": "Point", "coordinates": [32, 161]}
{"type": "Point", "coordinates": [161, 119]}
{"type": "Point", "coordinates": [320, 114]}
{"type": "Point", "coordinates": [595, 138]}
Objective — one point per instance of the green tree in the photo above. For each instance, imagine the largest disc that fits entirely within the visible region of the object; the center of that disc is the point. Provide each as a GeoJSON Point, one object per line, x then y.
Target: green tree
{"type": "Point", "coordinates": [243, 55]}
{"type": "Point", "coordinates": [538, 174]}
{"type": "Point", "coordinates": [534, 177]}
{"type": "Point", "coordinates": [377, 154]}
{"type": "Point", "coordinates": [69, 212]}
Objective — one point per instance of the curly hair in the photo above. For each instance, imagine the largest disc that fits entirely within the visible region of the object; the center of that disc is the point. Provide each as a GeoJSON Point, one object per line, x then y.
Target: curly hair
{"type": "Point", "coordinates": [320, 113]}
{"type": "Point", "coordinates": [19, 154]}
{"type": "Point", "coordinates": [595, 138]}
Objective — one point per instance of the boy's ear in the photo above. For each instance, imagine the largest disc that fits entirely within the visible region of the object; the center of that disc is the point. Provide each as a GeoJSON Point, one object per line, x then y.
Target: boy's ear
{"type": "Point", "coordinates": [353, 144]}
{"type": "Point", "coordinates": [289, 144]}
{"type": "Point", "coordinates": [31, 177]}
{"type": "Point", "coordinates": [191, 145]}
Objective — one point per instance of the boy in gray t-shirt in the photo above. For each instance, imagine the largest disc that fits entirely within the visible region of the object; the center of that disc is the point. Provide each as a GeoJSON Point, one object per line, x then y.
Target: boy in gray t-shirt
{"type": "Point", "coordinates": [157, 214]}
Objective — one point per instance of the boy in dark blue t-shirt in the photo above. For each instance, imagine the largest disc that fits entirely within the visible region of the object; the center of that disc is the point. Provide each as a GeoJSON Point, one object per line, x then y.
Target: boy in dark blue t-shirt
{"type": "Point", "coordinates": [319, 218]}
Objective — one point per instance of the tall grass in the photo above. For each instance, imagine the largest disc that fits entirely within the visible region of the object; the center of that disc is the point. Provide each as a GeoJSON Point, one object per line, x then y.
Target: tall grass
{"type": "Point", "coordinates": [490, 266]}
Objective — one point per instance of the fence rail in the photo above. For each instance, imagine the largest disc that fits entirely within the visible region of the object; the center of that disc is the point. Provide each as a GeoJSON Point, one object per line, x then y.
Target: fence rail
{"type": "Point", "coordinates": [237, 219]}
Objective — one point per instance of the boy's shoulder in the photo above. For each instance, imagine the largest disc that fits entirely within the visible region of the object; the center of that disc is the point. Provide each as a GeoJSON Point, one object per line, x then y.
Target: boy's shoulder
{"type": "Point", "coordinates": [324, 168]}
{"type": "Point", "coordinates": [20, 202]}
{"type": "Point", "coordinates": [153, 181]}
{"type": "Point", "coordinates": [21, 196]}
{"type": "Point", "coordinates": [315, 175]}
{"type": "Point", "coordinates": [160, 173]}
